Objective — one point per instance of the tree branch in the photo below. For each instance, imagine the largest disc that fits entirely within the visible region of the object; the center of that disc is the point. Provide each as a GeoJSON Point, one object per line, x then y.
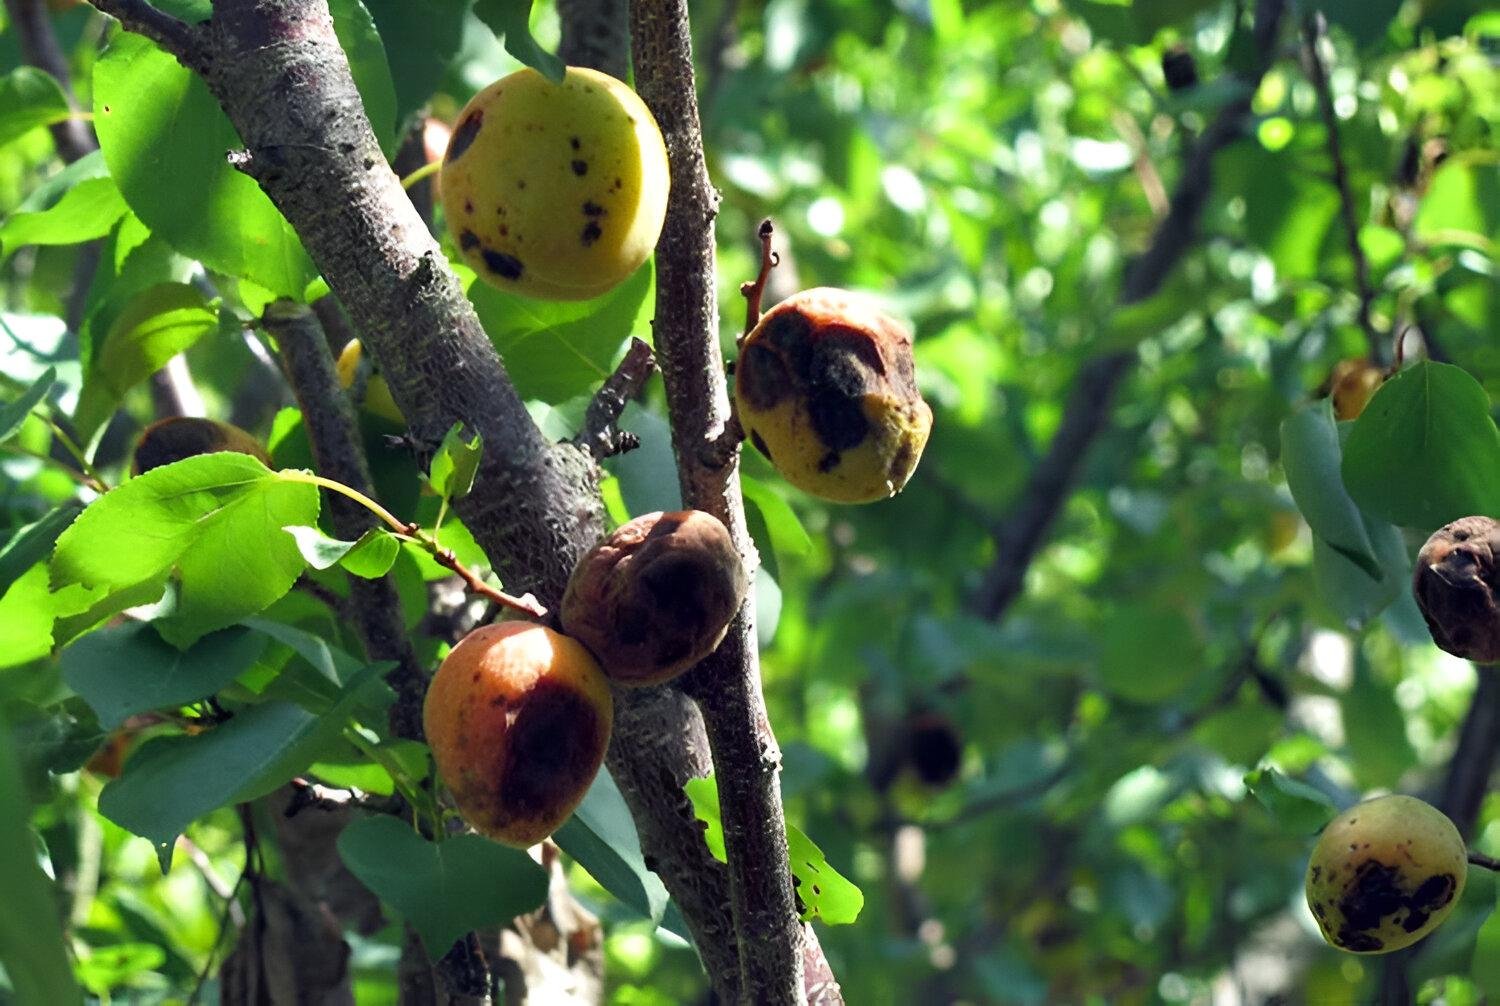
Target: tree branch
{"type": "Point", "coordinates": [599, 435]}
{"type": "Point", "coordinates": [277, 69]}
{"type": "Point", "coordinates": [595, 34]}
{"type": "Point", "coordinates": [179, 38]}
{"type": "Point", "coordinates": [726, 686]}
{"type": "Point", "coordinates": [39, 48]}
{"type": "Point", "coordinates": [1088, 408]}
{"type": "Point", "coordinates": [333, 432]}
{"type": "Point", "coordinates": [1314, 35]}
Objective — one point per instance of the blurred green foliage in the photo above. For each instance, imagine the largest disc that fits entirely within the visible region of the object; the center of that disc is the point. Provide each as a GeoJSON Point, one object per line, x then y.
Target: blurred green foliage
{"type": "Point", "coordinates": [1145, 742]}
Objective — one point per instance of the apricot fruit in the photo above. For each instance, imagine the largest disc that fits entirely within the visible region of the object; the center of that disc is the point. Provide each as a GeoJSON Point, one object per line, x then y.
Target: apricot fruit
{"type": "Point", "coordinates": [826, 389]}
{"type": "Point", "coordinates": [552, 190]}
{"type": "Point", "coordinates": [1351, 385]}
{"type": "Point", "coordinates": [518, 717]}
{"type": "Point", "coordinates": [1457, 586]}
{"type": "Point", "coordinates": [1384, 874]}
{"type": "Point", "coordinates": [368, 389]}
{"type": "Point", "coordinates": [177, 437]}
{"type": "Point", "coordinates": [657, 596]}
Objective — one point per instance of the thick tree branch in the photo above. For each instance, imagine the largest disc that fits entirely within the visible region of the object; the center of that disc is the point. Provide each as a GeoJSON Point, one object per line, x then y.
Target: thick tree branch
{"type": "Point", "coordinates": [277, 69]}
{"type": "Point", "coordinates": [726, 686]}
{"type": "Point", "coordinates": [595, 34]}
{"type": "Point", "coordinates": [1313, 38]}
{"type": "Point", "coordinates": [333, 431]}
{"type": "Point", "coordinates": [1089, 402]}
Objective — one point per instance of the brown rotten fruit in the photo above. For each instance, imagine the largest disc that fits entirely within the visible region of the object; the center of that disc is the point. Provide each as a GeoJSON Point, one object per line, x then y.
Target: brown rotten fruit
{"type": "Point", "coordinates": [1384, 874]}
{"type": "Point", "coordinates": [1457, 584]}
{"type": "Point", "coordinates": [518, 717]}
{"type": "Point", "coordinates": [826, 389]}
{"type": "Point", "coordinates": [657, 596]}
{"type": "Point", "coordinates": [178, 437]}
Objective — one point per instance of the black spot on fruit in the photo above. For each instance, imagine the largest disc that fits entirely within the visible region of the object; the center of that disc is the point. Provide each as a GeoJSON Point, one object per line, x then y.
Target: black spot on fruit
{"type": "Point", "coordinates": [829, 462]}
{"type": "Point", "coordinates": [463, 136]}
{"type": "Point", "coordinates": [573, 142]}
{"type": "Point", "coordinates": [551, 748]}
{"type": "Point", "coordinates": [468, 240]}
{"type": "Point", "coordinates": [789, 333]}
{"type": "Point", "coordinates": [590, 233]}
{"type": "Point", "coordinates": [501, 264]}
{"type": "Point", "coordinates": [580, 168]}
{"type": "Point", "coordinates": [762, 377]}
{"type": "Point", "coordinates": [760, 445]}
{"type": "Point", "coordinates": [593, 209]}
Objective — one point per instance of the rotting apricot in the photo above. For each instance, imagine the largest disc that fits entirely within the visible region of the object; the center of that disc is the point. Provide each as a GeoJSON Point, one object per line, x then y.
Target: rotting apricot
{"type": "Point", "coordinates": [656, 596]}
{"type": "Point", "coordinates": [553, 190]}
{"type": "Point", "coordinates": [177, 437]}
{"type": "Point", "coordinates": [826, 389]}
{"type": "Point", "coordinates": [1384, 874]}
{"type": "Point", "coordinates": [1457, 586]}
{"type": "Point", "coordinates": [518, 718]}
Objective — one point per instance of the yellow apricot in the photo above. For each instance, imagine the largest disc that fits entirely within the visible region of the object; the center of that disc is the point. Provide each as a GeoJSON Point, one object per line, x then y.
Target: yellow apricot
{"type": "Point", "coordinates": [1384, 874]}
{"type": "Point", "coordinates": [374, 395]}
{"type": "Point", "coordinates": [826, 389]}
{"type": "Point", "coordinates": [552, 190]}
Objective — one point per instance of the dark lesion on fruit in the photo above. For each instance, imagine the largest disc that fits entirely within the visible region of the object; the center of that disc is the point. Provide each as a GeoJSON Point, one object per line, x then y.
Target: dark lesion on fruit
{"type": "Point", "coordinates": [593, 209]}
{"type": "Point", "coordinates": [1376, 894]}
{"type": "Point", "coordinates": [762, 377]}
{"type": "Point", "coordinates": [591, 232]}
{"type": "Point", "coordinates": [464, 135]}
{"type": "Point", "coordinates": [551, 752]}
{"type": "Point", "coordinates": [828, 462]}
{"type": "Point", "coordinates": [760, 445]}
{"type": "Point", "coordinates": [468, 240]}
{"type": "Point", "coordinates": [501, 264]}
{"type": "Point", "coordinates": [580, 167]}
{"type": "Point", "coordinates": [842, 370]}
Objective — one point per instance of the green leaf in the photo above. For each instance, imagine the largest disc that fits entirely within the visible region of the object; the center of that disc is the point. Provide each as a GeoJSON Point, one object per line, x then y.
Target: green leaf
{"type": "Point", "coordinates": [369, 556]}
{"type": "Point", "coordinates": [30, 544]}
{"type": "Point", "coordinates": [601, 836]}
{"type": "Point", "coordinates": [1375, 730]}
{"type": "Point", "coordinates": [788, 536]}
{"type": "Point", "coordinates": [455, 464]}
{"type": "Point", "coordinates": [1366, 21]}
{"type": "Point", "coordinates": [172, 781]}
{"type": "Point", "coordinates": [164, 137]}
{"type": "Point", "coordinates": [86, 211]}
{"type": "Point", "coordinates": [154, 326]}
{"type": "Point", "coordinates": [557, 350]}
{"type": "Point", "coordinates": [215, 518]}
{"type": "Point", "coordinates": [430, 36]}
{"type": "Point", "coordinates": [32, 947]}
{"type": "Point", "coordinates": [1349, 588]}
{"type": "Point", "coordinates": [511, 20]}
{"type": "Point", "coordinates": [823, 891]}
{"type": "Point", "coordinates": [1132, 640]}
{"type": "Point", "coordinates": [1461, 205]}
{"type": "Point", "coordinates": [1310, 454]}
{"type": "Point", "coordinates": [362, 45]}
{"type": "Point", "coordinates": [1296, 806]}
{"type": "Point", "coordinates": [128, 669]}
{"type": "Point", "coordinates": [13, 414]}
{"type": "Point", "coordinates": [1425, 450]}
{"type": "Point", "coordinates": [29, 98]}
{"type": "Point", "coordinates": [443, 889]}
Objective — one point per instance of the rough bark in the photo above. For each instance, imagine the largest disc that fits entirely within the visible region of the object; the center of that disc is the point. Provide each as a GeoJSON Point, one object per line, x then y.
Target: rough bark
{"type": "Point", "coordinates": [595, 34]}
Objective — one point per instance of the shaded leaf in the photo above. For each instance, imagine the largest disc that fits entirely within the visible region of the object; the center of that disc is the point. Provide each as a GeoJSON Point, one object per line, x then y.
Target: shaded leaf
{"type": "Point", "coordinates": [601, 836]}
{"type": "Point", "coordinates": [1298, 807]}
{"type": "Point", "coordinates": [511, 20]}
{"type": "Point", "coordinates": [455, 464]}
{"type": "Point", "coordinates": [13, 414]}
{"type": "Point", "coordinates": [29, 98]}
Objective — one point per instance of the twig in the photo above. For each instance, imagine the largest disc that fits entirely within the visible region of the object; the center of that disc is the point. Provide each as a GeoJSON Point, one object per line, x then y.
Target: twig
{"type": "Point", "coordinates": [307, 794]}
{"type": "Point", "coordinates": [747, 761]}
{"type": "Point", "coordinates": [526, 604]}
{"type": "Point", "coordinates": [599, 435]}
{"type": "Point", "coordinates": [1092, 395]}
{"type": "Point", "coordinates": [752, 290]}
{"type": "Point", "coordinates": [1482, 861]}
{"type": "Point", "coordinates": [177, 37]}
{"type": "Point", "coordinates": [1314, 35]}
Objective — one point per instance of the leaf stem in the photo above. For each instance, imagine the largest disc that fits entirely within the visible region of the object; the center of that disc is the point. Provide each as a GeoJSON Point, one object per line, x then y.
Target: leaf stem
{"type": "Point", "coordinates": [526, 604]}
{"type": "Point", "coordinates": [423, 172]}
{"type": "Point", "coordinates": [71, 446]}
